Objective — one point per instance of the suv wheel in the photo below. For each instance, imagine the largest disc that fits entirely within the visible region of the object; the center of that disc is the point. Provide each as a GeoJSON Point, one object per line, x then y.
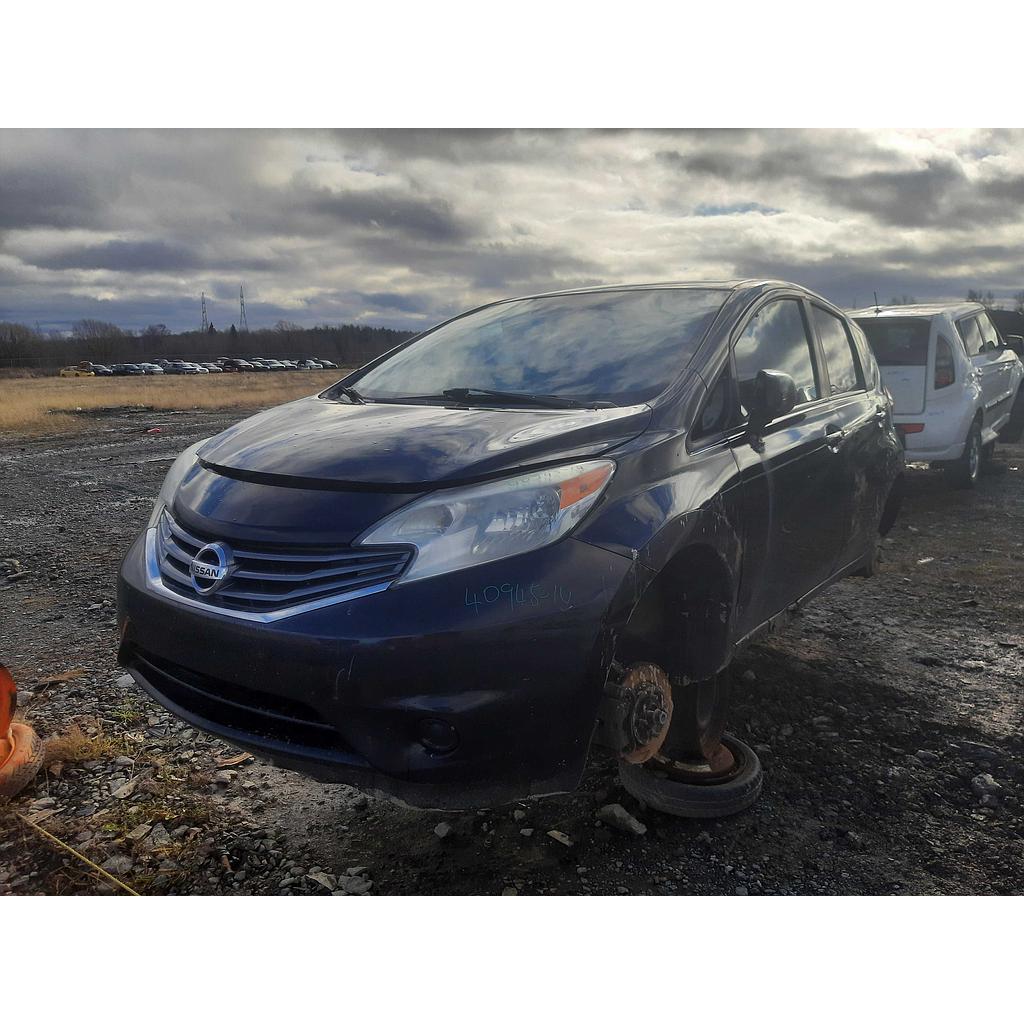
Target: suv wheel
{"type": "Point", "coordinates": [965, 471]}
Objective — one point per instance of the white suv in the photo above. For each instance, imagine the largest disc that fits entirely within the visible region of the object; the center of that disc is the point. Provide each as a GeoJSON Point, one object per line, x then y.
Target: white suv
{"type": "Point", "coordinates": [955, 384]}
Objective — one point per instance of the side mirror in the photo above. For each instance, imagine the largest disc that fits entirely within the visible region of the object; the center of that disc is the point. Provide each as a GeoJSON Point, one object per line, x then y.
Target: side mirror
{"type": "Point", "coordinates": [772, 395]}
{"type": "Point", "coordinates": [1016, 343]}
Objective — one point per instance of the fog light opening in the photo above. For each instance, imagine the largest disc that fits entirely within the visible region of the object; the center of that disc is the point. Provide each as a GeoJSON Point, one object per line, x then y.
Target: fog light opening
{"type": "Point", "coordinates": [437, 736]}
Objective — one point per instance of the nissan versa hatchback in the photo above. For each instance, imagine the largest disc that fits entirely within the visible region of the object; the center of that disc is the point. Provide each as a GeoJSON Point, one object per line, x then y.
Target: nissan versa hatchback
{"type": "Point", "coordinates": [955, 382]}
{"type": "Point", "coordinates": [544, 526]}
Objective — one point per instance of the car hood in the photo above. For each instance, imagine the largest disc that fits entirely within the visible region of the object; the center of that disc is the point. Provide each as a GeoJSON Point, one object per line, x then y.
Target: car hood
{"type": "Point", "coordinates": [321, 442]}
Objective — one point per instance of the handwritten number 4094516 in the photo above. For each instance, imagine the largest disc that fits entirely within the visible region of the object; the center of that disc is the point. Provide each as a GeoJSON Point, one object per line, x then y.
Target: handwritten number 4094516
{"type": "Point", "coordinates": [534, 594]}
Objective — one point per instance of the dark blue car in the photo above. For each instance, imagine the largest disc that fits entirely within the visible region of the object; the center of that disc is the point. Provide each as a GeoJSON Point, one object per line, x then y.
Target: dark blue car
{"type": "Point", "coordinates": [544, 525]}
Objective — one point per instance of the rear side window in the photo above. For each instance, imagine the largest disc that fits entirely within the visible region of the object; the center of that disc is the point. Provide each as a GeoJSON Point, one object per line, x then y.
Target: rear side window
{"type": "Point", "coordinates": [898, 341]}
{"type": "Point", "coordinates": [839, 358]}
{"type": "Point", "coordinates": [971, 334]}
{"type": "Point", "coordinates": [945, 368]}
{"type": "Point", "coordinates": [776, 339]}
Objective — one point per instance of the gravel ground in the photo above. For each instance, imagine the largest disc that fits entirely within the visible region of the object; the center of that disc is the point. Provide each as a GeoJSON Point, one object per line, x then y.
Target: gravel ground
{"type": "Point", "coordinates": [888, 718]}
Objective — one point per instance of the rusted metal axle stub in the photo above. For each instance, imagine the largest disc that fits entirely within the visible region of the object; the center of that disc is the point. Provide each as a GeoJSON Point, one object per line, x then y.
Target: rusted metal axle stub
{"type": "Point", "coordinates": [651, 712]}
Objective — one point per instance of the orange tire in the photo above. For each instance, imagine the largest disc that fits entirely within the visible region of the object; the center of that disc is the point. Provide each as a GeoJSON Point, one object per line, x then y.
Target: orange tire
{"type": "Point", "coordinates": [23, 759]}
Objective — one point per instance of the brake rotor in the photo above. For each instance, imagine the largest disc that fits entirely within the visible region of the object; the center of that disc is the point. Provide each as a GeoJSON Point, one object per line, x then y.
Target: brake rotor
{"type": "Point", "coordinates": [651, 713]}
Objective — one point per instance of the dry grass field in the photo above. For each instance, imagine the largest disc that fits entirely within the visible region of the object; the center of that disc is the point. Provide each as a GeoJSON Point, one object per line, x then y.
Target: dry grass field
{"type": "Point", "coordinates": [48, 404]}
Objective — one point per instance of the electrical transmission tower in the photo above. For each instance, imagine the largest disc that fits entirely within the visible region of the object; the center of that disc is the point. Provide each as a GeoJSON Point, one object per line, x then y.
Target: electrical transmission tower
{"type": "Point", "coordinates": [206, 319]}
{"type": "Point", "coordinates": [243, 324]}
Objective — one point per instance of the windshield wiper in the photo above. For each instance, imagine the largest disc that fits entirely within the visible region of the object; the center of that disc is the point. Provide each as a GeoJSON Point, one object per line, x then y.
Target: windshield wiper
{"type": "Point", "coordinates": [351, 394]}
{"type": "Point", "coordinates": [518, 397]}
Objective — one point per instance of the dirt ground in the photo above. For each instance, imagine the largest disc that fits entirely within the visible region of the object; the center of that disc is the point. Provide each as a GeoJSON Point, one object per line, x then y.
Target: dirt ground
{"type": "Point", "coordinates": [888, 719]}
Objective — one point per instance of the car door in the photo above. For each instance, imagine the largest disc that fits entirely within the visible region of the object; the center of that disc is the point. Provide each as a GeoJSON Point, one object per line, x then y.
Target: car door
{"type": "Point", "coordinates": [861, 447]}
{"type": "Point", "coordinates": [791, 473]}
{"type": "Point", "coordinates": [999, 383]}
{"type": "Point", "coordinates": [981, 366]}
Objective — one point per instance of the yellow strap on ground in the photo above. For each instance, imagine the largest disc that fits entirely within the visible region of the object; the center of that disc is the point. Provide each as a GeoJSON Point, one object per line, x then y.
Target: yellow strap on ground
{"type": "Point", "coordinates": [81, 856]}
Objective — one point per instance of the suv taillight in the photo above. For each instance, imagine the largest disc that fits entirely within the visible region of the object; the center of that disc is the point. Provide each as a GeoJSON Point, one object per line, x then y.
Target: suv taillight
{"type": "Point", "coordinates": [945, 372]}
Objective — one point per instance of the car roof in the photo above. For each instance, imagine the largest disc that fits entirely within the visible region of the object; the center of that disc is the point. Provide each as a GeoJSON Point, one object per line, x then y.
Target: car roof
{"type": "Point", "coordinates": [924, 309]}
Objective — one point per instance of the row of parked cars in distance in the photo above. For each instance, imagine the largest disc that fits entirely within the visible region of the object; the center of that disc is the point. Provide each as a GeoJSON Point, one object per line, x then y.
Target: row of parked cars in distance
{"type": "Point", "coordinates": [184, 367]}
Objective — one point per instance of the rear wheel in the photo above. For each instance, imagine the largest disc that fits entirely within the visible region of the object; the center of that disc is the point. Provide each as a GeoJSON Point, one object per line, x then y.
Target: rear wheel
{"type": "Point", "coordinates": [965, 471]}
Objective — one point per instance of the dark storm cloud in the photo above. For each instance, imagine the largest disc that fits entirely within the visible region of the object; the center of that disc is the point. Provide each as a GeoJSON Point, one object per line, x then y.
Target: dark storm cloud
{"type": "Point", "coordinates": [117, 255]}
{"type": "Point", "coordinates": [389, 211]}
{"type": "Point", "coordinates": [936, 192]}
{"type": "Point", "coordinates": [46, 196]}
{"type": "Point", "coordinates": [143, 256]}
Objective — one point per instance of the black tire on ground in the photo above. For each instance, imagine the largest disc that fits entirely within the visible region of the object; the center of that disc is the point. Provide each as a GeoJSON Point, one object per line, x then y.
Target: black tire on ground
{"type": "Point", "coordinates": [965, 471]}
{"type": "Point", "coordinates": [698, 800]}
{"type": "Point", "coordinates": [1014, 430]}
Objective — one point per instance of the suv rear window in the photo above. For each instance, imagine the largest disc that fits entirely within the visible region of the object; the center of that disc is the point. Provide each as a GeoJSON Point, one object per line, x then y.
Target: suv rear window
{"type": "Point", "coordinates": [898, 341]}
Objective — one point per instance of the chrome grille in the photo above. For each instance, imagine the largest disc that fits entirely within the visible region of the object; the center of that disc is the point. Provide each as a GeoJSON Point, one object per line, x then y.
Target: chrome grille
{"type": "Point", "coordinates": [273, 578]}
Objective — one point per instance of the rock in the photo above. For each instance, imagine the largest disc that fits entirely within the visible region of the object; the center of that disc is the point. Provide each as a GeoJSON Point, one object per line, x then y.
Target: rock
{"type": "Point", "coordinates": [785, 730]}
{"type": "Point", "coordinates": [118, 864]}
{"type": "Point", "coordinates": [442, 830]}
{"type": "Point", "coordinates": [855, 840]}
{"type": "Point", "coordinates": [355, 885]}
{"type": "Point", "coordinates": [329, 882]}
{"type": "Point", "coordinates": [560, 837]}
{"type": "Point", "coordinates": [928, 757]}
{"type": "Point", "coordinates": [741, 890]}
{"type": "Point", "coordinates": [518, 814]}
{"type": "Point", "coordinates": [510, 890]}
{"type": "Point", "coordinates": [988, 800]}
{"type": "Point", "coordinates": [619, 818]}
{"type": "Point", "coordinates": [157, 838]}
{"type": "Point", "coordinates": [973, 666]}
{"type": "Point", "coordinates": [985, 785]}
{"type": "Point", "coordinates": [360, 870]}
{"type": "Point", "coordinates": [526, 832]}
{"type": "Point", "coordinates": [748, 676]}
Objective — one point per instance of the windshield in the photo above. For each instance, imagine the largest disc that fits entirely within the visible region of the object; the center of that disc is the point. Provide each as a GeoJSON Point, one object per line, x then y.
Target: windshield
{"type": "Point", "coordinates": [898, 342]}
{"type": "Point", "coordinates": [622, 347]}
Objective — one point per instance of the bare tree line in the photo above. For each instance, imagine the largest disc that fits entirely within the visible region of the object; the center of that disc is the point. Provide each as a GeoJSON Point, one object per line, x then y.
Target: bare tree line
{"type": "Point", "coordinates": [102, 342]}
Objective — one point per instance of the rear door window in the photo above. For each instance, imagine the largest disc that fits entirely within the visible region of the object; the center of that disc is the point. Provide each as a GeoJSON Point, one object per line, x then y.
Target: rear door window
{"type": "Point", "coordinates": [898, 341]}
{"type": "Point", "coordinates": [989, 334]}
{"type": "Point", "coordinates": [843, 372]}
{"type": "Point", "coordinates": [776, 338]}
{"type": "Point", "coordinates": [971, 334]}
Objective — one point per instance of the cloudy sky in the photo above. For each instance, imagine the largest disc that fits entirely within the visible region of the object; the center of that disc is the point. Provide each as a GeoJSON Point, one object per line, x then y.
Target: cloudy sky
{"type": "Point", "coordinates": [403, 228]}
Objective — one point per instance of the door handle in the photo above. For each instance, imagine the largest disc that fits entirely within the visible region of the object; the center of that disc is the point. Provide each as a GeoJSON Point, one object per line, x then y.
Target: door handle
{"type": "Point", "coordinates": [834, 436]}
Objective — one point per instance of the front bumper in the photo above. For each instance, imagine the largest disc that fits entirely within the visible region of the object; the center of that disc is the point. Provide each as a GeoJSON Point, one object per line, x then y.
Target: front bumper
{"type": "Point", "coordinates": [510, 655]}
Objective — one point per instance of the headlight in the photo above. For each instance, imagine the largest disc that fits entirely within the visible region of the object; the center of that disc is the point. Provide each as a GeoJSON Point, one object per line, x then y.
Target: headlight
{"type": "Point", "coordinates": [466, 526]}
{"type": "Point", "coordinates": [182, 464]}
